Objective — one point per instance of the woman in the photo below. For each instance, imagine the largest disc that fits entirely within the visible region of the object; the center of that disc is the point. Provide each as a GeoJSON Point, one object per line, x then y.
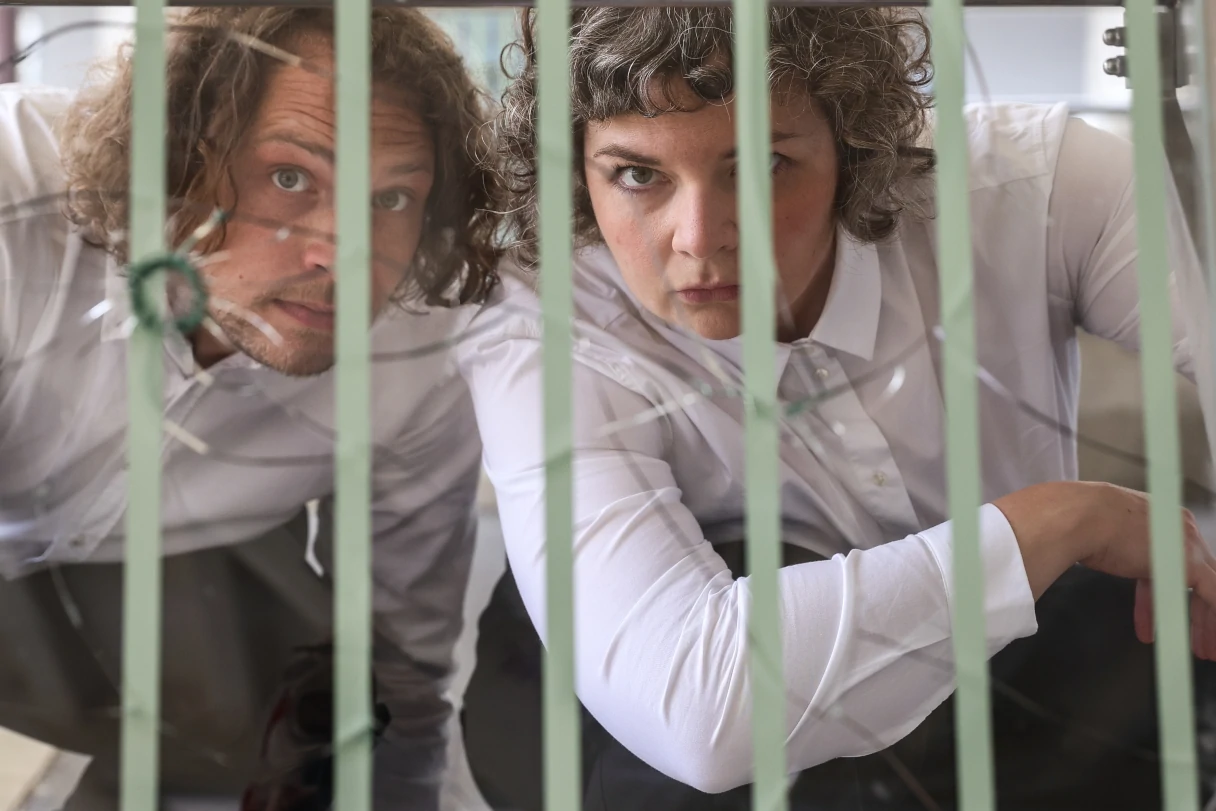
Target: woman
{"type": "Point", "coordinates": [660, 614]}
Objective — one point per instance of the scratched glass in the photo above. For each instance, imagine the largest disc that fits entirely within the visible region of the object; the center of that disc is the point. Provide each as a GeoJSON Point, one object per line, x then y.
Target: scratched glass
{"type": "Point", "coordinates": [245, 446]}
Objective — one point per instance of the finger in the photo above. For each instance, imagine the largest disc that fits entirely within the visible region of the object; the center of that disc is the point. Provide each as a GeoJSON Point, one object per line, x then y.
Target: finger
{"type": "Point", "coordinates": [1142, 615]}
{"type": "Point", "coordinates": [1201, 573]}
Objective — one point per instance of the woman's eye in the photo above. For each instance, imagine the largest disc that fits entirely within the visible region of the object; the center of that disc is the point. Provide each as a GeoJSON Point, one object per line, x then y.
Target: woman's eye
{"type": "Point", "coordinates": [292, 180]}
{"type": "Point", "coordinates": [395, 200]}
{"type": "Point", "coordinates": [775, 163]}
{"type": "Point", "coordinates": [637, 177]}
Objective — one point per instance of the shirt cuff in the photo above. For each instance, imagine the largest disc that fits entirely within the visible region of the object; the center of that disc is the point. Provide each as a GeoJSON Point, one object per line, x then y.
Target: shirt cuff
{"type": "Point", "coordinates": [1008, 601]}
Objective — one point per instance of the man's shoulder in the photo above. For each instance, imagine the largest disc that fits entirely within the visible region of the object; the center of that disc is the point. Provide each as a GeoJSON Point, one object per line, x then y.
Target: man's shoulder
{"type": "Point", "coordinates": [599, 296]}
{"type": "Point", "coordinates": [419, 332]}
{"type": "Point", "coordinates": [1013, 141]}
{"type": "Point", "coordinates": [30, 168]}
{"type": "Point", "coordinates": [413, 353]}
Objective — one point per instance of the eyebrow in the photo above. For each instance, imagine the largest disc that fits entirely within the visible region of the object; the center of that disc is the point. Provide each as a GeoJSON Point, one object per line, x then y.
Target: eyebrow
{"type": "Point", "coordinates": [326, 154]}
{"type": "Point", "coordinates": [632, 156]}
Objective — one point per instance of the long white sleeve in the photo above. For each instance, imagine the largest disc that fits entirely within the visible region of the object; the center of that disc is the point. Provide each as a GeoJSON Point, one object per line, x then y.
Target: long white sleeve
{"type": "Point", "coordinates": [1092, 242]}
{"type": "Point", "coordinates": [661, 625]}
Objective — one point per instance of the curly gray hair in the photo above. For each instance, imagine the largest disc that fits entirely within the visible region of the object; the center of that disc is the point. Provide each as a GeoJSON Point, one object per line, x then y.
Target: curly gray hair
{"type": "Point", "coordinates": [867, 68]}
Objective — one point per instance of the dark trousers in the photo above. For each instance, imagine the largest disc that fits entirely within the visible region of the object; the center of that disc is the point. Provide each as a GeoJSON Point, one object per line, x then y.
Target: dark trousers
{"type": "Point", "coordinates": [246, 680]}
{"type": "Point", "coordinates": [1074, 724]}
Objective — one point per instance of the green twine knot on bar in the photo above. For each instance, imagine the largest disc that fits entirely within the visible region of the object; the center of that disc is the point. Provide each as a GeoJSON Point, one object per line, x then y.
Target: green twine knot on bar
{"type": "Point", "coordinates": [145, 313]}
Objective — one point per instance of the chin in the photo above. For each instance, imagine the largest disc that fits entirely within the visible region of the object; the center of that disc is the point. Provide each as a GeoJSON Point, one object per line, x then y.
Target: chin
{"type": "Point", "coordinates": [718, 331]}
{"type": "Point", "coordinates": [303, 367]}
{"type": "Point", "coordinates": [293, 361]}
{"type": "Point", "coordinates": [300, 354]}
{"type": "Point", "coordinates": [297, 361]}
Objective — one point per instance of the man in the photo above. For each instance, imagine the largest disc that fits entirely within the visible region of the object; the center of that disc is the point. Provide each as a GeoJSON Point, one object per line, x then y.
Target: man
{"type": "Point", "coordinates": [663, 600]}
{"type": "Point", "coordinates": [248, 398]}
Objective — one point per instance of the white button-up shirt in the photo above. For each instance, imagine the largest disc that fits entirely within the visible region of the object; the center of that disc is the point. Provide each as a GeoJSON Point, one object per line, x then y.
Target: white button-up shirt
{"type": "Point", "coordinates": [661, 625]}
{"type": "Point", "coordinates": [267, 440]}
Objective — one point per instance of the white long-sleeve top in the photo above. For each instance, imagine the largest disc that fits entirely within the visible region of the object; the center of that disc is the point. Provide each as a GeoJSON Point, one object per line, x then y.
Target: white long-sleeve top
{"type": "Point", "coordinates": [660, 623]}
{"type": "Point", "coordinates": [267, 441]}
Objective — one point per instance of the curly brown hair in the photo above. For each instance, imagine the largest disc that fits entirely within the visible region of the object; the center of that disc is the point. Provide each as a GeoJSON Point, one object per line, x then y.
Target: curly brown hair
{"type": "Point", "coordinates": [215, 82]}
{"type": "Point", "coordinates": [867, 68]}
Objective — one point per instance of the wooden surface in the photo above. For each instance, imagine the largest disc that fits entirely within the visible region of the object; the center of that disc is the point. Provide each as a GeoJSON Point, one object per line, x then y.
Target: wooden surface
{"type": "Point", "coordinates": [23, 762]}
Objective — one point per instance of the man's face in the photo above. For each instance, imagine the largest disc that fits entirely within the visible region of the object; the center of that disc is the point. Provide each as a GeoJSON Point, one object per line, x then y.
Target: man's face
{"type": "Point", "coordinates": [663, 193]}
{"type": "Point", "coordinates": [272, 280]}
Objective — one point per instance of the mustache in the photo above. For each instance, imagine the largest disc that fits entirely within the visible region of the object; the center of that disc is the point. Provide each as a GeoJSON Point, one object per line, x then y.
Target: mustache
{"type": "Point", "coordinates": [316, 285]}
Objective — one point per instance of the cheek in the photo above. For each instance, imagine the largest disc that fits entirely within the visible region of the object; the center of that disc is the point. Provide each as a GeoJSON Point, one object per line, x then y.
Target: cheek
{"type": "Point", "coordinates": [395, 240]}
{"type": "Point", "coordinates": [804, 225]}
{"type": "Point", "coordinates": [627, 229]}
{"type": "Point", "coordinates": [607, 218]}
{"type": "Point", "coordinates": [247, 252]}
{"type": "Point", "coordinates": [635, 245]}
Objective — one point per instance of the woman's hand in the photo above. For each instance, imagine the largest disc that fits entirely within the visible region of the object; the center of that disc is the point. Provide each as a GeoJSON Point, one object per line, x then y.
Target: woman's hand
{"type": "Point", "coordinates": [1106, 528]}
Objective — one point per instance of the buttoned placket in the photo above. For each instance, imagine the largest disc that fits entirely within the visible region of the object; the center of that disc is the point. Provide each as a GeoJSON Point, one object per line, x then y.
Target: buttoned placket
{"type": "Point", "coordinates": [838, 429]}
{"type": "Point", "coordinates": [183, 389]}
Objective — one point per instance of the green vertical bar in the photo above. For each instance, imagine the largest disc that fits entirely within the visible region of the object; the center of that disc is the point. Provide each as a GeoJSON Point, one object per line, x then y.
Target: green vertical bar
{"type": "Point", "coordinates": [555, 157]}
{"type": "Point", "coordinates": [1178, 766]}
{"type": "Point", "coordinates": [972, 723]}
{"type": "Point", "coordinates": [139, 788]}
{"type": "Point", "coordinates": [1202, 25]}
{"type": "Point", "coordinates": [760, 429]}
{"type": "Point", "coordinates": [352, 501]}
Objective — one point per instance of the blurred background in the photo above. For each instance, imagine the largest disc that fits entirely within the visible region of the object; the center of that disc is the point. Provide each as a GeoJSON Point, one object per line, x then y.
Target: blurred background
{"type": "Point", "coordinates": [1017, 54]}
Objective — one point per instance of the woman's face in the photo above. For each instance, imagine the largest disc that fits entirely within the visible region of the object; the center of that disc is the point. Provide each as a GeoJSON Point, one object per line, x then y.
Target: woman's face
{"type": "Point", "coordinates": [663, 193]}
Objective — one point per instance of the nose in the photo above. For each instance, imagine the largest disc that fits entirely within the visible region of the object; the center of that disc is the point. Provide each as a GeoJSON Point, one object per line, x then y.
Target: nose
{"type": "Point", "coordinates": [317, 229]}
{"type": "Point", "coordinates": [705, 222]}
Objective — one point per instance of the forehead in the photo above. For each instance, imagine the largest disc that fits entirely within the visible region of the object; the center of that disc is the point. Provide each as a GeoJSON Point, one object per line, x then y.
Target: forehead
{"type": "Point", "coordinates": [301, 100]}
{"type": "Point", "coordinates": [700, 122]}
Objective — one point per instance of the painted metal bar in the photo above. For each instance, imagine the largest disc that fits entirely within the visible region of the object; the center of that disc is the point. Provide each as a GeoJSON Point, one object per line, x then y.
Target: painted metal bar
{"type": "Point", "coordinates": [1202, 33]}
{"type": "Point", "coordinates": [8, 43]}
{"type": "Point", "coordinates": [973, 716]}
{"type": "Point", "coordinates": [142, 604]}
{"type": "Point", "coordinates": [759, 291]}
{"type": "Point", "coordinates": [1178, 760]}
{"type": "Point", "coordinates": [352, 501]}
{"type": "Point", "coordinates": [555, 156]}
{"type": "Point", "coordinates": [583, 3]}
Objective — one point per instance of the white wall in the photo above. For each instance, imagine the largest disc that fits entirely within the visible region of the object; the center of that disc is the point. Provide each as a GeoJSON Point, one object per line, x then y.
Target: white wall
{"type": "Point", "coordinates": [1043, 55]}
{"type": "Point", "coordinates": [64, 60]}
{"type": "Point", "coordinates": [1025, 54]}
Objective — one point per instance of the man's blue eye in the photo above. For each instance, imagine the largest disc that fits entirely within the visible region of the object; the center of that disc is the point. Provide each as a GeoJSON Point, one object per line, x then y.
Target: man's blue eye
{"type": "Point", "coordinates": [292, 180]}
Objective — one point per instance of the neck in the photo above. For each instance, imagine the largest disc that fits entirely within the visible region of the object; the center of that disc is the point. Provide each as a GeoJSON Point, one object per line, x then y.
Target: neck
{"type": "Point", "coordinates": [805, 311]}
{"type": "Point", "coordinates": [209, 349]}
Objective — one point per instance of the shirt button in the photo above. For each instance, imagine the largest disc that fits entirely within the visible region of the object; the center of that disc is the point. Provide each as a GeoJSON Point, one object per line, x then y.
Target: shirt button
{"type": "Point", "coordinates": [880, 478]}
{"type": "Point", "coordinates": [822, 373]}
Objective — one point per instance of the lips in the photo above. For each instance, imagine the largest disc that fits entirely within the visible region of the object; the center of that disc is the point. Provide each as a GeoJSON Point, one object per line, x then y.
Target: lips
{"type": "Point", "coordinates": [709, 294]}
{"type": "Point", "coordinates": [314, 316]}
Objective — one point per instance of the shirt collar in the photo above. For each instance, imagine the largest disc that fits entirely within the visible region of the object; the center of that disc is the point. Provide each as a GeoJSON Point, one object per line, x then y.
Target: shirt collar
{"type": "Point", "coordinates": [849, 322]}
{"type": "Point", "coordinates": [117, 323]}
